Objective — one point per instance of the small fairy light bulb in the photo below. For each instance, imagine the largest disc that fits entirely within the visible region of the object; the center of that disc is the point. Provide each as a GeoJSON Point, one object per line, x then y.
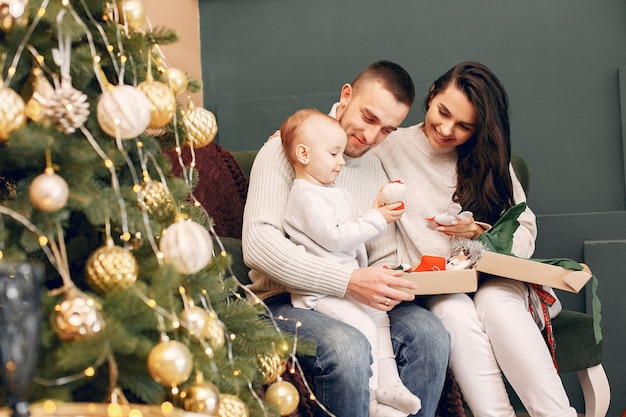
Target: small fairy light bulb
{"type": "Point", "coordinates": [167, 407]}
{"type": "Point", "coordinates": [114, 410]}
{"type": "Point", "coordinates": [49, 407]}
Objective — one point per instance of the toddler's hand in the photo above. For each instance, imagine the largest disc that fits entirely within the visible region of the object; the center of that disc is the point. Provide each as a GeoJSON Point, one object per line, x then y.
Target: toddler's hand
{"type": "Point", "coordinates": [391, 212]}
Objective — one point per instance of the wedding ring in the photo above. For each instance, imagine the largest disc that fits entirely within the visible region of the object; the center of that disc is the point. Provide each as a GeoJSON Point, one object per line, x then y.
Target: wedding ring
{"type": "Point", "coordinates": [388, 301]}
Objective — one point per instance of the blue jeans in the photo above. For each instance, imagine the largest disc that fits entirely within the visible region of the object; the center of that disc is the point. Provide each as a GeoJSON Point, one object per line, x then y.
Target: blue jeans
{"type": "Point", "coordinates": [341, 368]}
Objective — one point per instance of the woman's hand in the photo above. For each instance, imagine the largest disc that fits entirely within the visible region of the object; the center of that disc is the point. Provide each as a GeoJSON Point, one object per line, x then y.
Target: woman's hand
{"type": "Point", "coordinates": [466, 228]}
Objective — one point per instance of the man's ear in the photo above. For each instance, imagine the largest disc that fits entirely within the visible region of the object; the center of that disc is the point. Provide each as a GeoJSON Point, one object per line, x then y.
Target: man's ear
{"type": "Point", "coordinates": [302, 154]}
{"type": "Point", "coordinates": [346, 94]}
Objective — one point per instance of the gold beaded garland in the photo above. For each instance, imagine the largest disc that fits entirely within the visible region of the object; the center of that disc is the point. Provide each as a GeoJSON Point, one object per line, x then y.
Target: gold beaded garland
{"type": "Point", "coordinates": [111, 267]}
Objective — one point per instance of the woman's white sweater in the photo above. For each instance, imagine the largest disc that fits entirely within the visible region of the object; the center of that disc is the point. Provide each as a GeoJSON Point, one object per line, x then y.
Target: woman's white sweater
{"type": "Point", "coordinates": [430, 178]}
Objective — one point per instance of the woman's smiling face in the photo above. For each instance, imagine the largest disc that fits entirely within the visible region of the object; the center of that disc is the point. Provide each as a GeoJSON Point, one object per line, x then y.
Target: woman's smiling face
{"type": "Point", "coordinates": [450, 120]}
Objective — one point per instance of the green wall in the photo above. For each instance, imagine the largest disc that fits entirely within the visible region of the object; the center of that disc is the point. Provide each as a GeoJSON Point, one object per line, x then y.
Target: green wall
{"type": "Point", "coordinates": [558, 59]}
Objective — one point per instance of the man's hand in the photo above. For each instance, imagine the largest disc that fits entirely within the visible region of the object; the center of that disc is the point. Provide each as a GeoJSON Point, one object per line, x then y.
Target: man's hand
{"type": "Point", "coordinates": [373, 286]}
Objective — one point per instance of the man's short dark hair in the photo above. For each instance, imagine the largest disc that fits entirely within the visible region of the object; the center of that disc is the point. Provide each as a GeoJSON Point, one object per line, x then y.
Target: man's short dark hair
{"type": "Point", "coordinates": [394, 78]}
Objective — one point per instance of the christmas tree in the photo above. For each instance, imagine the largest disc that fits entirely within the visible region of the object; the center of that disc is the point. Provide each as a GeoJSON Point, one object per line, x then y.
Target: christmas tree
{"type": "Point", "coordinates": [139, 304]}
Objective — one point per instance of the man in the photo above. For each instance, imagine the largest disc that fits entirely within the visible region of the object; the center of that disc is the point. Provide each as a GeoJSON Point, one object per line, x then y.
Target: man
{"type": "Point", "coordinates": [369, 109]}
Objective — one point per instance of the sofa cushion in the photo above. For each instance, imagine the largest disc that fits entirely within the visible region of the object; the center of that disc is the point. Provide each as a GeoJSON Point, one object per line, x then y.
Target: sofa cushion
{"type": "Point", "coordinates": [222, 186]}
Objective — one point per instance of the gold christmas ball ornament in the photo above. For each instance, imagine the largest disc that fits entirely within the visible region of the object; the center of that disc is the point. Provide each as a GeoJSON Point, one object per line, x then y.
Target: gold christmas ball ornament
{"type": "Point", "coordinates": [111, 267]}
{"type": "Point", "coordinates": [76, 316]}
{"type": "Point", "coordinates": [156, 199]}
{"type": "Point", "coordinates": [162, 102]}
{"type": "Point", "coordinates": [187, 245]}
{"type": "Point", "coordinates": [170, 363]}
{"type": "Point", "coordinates": [125, 110]}
{"type": "Point", "coordinates": [284, 396]}
{"type": "Point", "coordinates": [130, 12]}
{"type": "Point", "coordinates": [12, 115]}
{"type": "Point", "coordinates": [176, 79]}
{"type": "Point", "coordinates": [196, 320]}
{"type": "Point", "coordinates": [202, 397]}
{"type": "Point", "coordinates": [231, 406]}
{"type": "Point", "coordinates": [37, 107]}
{"type": "Point", "coordinates": [201, 126]}
{"type": "Point", "coordinates": [48, 192]}
{"type": "Point", "coordinates": [202, 325]}
{"type": "Point", "coordinates": [12, 12]}
{"type": "Point", "coordinates": [215, 333]}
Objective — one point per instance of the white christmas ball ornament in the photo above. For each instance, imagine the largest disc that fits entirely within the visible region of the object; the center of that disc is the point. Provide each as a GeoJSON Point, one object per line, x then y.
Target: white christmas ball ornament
{"type": "Point", "coordinates": [123, 110]}
{"type": "Point", "coordinates": [48, 192]}
{"type": "Point", "coordinates": [392, 192]}
{"type": "Point", "coordinates": [187, 245]}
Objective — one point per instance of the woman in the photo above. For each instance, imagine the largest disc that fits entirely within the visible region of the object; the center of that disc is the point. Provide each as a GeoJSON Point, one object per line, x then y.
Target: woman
{"type": "Point", "coordinates": [461, 154]}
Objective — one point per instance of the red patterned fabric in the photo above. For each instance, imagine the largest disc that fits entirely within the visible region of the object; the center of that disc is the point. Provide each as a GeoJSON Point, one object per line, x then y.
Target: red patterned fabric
{"type": "Point", "coordinates": [547, 300]}
{"type": "Point", "coordinates": [222, 186]}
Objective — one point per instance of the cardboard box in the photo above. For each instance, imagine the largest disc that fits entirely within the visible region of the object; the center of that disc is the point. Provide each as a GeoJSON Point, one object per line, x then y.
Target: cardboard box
{"type": "Point", "coordinates": [443, 282]}
{"type": "Point", "coordinates": [465, 281]}
{"type": "Point", "coordinates": [532, 271]}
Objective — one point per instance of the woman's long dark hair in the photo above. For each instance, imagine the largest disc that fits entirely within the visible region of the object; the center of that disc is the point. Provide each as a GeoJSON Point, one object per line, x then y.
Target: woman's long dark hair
{"type": "Point", "coordinates": [484, 184]}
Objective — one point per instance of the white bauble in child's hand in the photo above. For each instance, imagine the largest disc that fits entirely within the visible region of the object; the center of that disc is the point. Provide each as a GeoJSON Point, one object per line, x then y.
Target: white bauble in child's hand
{"type": "Point", "coordinates": [392, 192]}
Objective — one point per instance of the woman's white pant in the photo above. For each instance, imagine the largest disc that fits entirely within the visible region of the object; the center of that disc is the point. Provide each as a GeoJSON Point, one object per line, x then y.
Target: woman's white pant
{"type": "Point", "coordinates": [494, 331]}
